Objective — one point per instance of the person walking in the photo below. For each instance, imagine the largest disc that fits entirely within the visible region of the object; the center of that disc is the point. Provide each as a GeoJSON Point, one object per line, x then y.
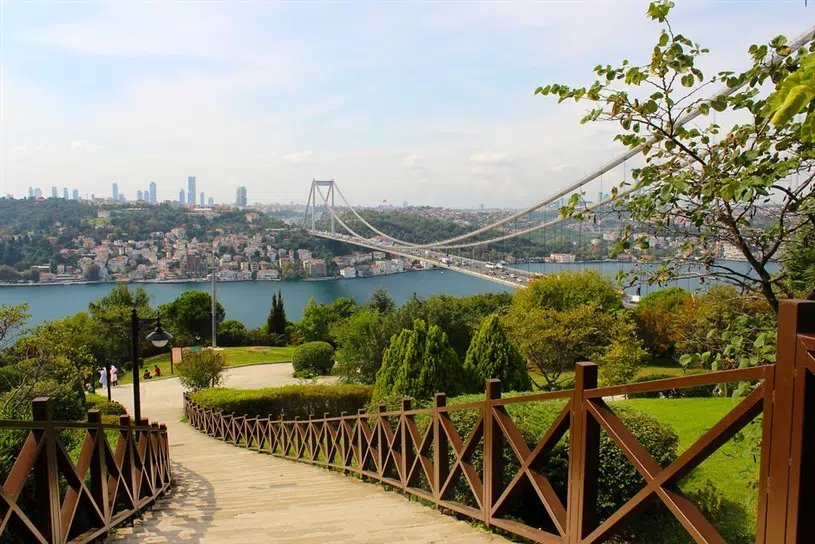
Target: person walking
{"type": "Point", "coordinates": [103, 378]}
{"type": "Point", "coordinates": [114, 375]}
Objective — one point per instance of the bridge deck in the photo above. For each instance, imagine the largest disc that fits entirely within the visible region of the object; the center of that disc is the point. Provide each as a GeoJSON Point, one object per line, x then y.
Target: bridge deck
{"type": "Point", "coordinates": [228, 494]}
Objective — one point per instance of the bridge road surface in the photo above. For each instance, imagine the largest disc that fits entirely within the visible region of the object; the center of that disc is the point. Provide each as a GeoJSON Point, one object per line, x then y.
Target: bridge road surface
{"type": "Point", "coordinates": [228, 494]}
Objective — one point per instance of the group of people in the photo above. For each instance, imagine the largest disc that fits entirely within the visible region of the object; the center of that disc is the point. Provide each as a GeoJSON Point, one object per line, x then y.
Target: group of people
{"type": "Point", "coordinates": [114, 377]}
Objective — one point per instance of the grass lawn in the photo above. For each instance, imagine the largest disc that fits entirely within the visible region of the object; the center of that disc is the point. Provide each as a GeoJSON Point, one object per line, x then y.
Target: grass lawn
{"type": "Point", "coordinates": [659, 367]}
{"type": "Point", "coordinates": [242, 356]}
{"type": "Point", "coordinates": [729, 468]}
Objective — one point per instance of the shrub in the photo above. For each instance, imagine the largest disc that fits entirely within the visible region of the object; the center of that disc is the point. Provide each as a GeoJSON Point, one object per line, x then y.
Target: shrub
{"type": "Point", "coordinates": [656, 317]}
{"type": "Point", "coordinates": [317, 356]}
{"type": "Point", "coordinates": [295, 400]}
{"type": "Point", "coordinates": [232, 333]}
{"type": "Point", "coordinates": [201, 369]}
{"type": "Point", "coordinates": [676, 393]}
{"type": "Point", "coordinates": [105, 407]}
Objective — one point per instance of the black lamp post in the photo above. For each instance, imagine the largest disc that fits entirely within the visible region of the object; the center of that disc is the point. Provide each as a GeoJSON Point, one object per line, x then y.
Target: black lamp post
{"type": "Point", "coordinates": [159, 338]}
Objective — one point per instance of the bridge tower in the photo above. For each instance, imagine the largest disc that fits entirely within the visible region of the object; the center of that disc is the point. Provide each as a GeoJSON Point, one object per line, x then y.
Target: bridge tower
{"type": "Point", "coordinates": [325, 190]}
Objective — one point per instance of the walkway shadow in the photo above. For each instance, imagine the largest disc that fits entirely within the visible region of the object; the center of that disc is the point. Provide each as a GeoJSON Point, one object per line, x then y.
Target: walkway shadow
{"type": "Point", "coordinates": [182, 515]}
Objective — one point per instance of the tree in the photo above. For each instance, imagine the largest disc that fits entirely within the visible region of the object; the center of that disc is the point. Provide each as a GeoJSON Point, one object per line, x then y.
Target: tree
{"type": "Point", "coordinates": [276, 323]}
{"type": "Point", "coordinates": [492, 355]}
{"type": "Point", "coordinates": [92, 273]}
{"type": "Point", "coordinates": [798, 261]}
{"type": "Point", "coordinates": [317, 318]}
{"type": "Point", "coordinates": [232, 333]}
{"type": "Point", "coordinates": [566, 291]}
{"type": "Point", "coordinates": [554, 342]}
{"type": "Point", "coordinates": [8, 274]}
{"type": "Point", "coordinates": [201, 369]}
{"type": "Point", "coordinates": [381, 301]}
{"type": "Point", "coordinates": [749, 187]}
{"type": "Point", "coordinates": [419, 363]}
{"type": "Point", "coordinates": [361, 342]}
{"type": "Point", "coordinates": [112, 311]}
{"type": "Point", "coordinates": [190, 315]}
{"type": "Point", "coordinates": [656, 316]}
{"type": "Point", "coordinates": [12, 320]}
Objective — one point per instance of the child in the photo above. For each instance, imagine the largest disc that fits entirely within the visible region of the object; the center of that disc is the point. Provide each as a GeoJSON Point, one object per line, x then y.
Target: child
{"type": "Point", "coordinates": [157, 371]}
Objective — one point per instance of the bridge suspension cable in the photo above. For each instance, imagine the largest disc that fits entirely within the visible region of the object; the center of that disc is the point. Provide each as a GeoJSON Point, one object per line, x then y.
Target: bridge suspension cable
{"type": "Point", "coordinates": [450, 243]}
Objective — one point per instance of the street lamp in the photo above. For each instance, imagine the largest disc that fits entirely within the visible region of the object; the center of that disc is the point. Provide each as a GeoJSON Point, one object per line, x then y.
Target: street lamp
{"type": "Point", "coordinates": [159, 338]}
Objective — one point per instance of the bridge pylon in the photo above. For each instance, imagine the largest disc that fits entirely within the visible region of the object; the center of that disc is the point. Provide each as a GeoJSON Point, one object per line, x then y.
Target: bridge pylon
{"type": "Point", "coordinates": [325, 196]}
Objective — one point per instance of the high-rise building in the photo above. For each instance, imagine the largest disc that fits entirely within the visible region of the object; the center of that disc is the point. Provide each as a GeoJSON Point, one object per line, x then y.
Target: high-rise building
{"type": "Point", "coordinates": [115, 191]}
{"type": "Point", "coordinates": [37, 193]}
{"type": "Point", "coordinates": [146, 195]}
{"type": "Point", "coordinates": [181, 197]}
{"type": "Point", "coordinates": [122, 197]}
{"type": "Point", "coordinates": [153, 192]}
{"type": "Point", "coordinates": [31, 192]}
{"type": "Point", "coordinates": [201, 201]}
{"type": "Point", "coordinates": [240, 196]}
{"type": "Point", "coordinates": [191, 190]}
{"type": "Point", "coordinates": [405, 204]}
{"type": "Point", "coordinates": [65, 193]}
{"type": "Point", "coordinates": [211, 202]}
{"type": "Point", "coordinates": [139, 195]}
{"type": "Point", "coordinates": [75, 194]}
{"type": "Point", "coordinates": [53, 192]}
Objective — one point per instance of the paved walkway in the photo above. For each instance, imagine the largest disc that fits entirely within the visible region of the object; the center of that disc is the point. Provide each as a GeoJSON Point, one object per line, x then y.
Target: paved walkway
{"type": "Point", "coordinates": [229, 494]}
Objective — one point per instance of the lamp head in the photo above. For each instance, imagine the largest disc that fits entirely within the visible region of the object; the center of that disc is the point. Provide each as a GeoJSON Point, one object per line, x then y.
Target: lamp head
{"type": "Point", "coordinates": [159, 337]}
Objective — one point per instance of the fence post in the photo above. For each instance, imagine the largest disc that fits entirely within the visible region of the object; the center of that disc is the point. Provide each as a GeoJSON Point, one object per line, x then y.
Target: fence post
{"type": "Point", "coordinates": [441, 460]}
{"type": "Point", "coordinates": [360, 439]}
{"type": "Point", "coordinates": [129, 463]}
{"type": "Point", "coordinates": [407, 449]}
{"type": "Point", "coordinates": [786, 456]}
{"type": "Point", "coordinates": [165, 442]}
{"type": "Point", "coordinates": [344, 441]}
{"type": "Point", "coordinates": [493, 450]}
{"type": "Point", "coordinates": [326, 430]}
{"type": "Point", "coordinates": [98, 468]}
{"type": "Point", "coordinates": [381, 442]}
{"type": "Point", "coordinates": [46, 475]}
{"type": "Point", "coordinates": [584, 458]}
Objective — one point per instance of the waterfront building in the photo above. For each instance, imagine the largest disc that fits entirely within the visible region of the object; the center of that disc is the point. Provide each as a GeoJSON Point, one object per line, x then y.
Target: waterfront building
{"type": "Point", "coordinates": [348, 272]}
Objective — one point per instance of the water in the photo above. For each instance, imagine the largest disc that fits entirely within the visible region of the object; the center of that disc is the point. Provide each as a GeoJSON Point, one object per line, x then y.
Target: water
{"type": "Point", "coordinates": [249, 302]}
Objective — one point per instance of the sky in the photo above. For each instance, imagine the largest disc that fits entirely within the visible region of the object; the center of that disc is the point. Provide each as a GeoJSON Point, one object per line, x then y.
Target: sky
{"type": "Point", "coordinates": [430, 103]}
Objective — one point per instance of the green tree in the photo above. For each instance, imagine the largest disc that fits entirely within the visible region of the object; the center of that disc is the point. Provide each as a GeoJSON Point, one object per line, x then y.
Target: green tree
{"type": "Point", "coordinates": [798, 260]}
{"type": "Point", "coordinates": [232, 333]}
{"type": "Point", "coordinates": [12, 320]}
{"type": "Point", "coordinates": [317, 318]}
{"type": "Point", "coordinates": [276, 323]}
{"type": "Point", "coordinates": [8, 274]}
{"type": "Point", "coordinates": [698, 183]}
{"type": "Point", "coordinates": [656, 316]}
{"type": "Point", "coordinates": [492, 355]}
{"type": "Point", "coordinates": [566, 291]}
{"type": "Point", "coordinates": [361, 342]}
{"type": "Point", "coordinates": [554, 342]}
{"type": "Point", "coordinates": [381, 301]}
{"type": "Point", "coordinates": [201, 369]}
{"type": "Point", "coordinates": [112, 312]}
{"type": "Point", "coordinates": [190, 315]}
{"type": "Point", "coordinates": [92, 273]}
{"type": "Point", "coordinates": [419, 363]}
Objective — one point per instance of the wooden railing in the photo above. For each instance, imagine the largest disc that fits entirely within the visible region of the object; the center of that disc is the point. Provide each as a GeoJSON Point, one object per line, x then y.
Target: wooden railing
{"type": "Point", "coordinates": [49, 498]}
{"type": "Point", "coordinates": [390, 447]}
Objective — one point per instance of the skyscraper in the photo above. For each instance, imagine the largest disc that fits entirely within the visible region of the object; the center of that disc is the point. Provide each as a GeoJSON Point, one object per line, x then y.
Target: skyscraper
{"type": "Point", "coordinates": [31, 192]}
{"type": "Point", "coordinates": [37, 193]}
{"type": "Point", "coordinates": [75, 194]}
{"type": "Point", "coordinates": [153, 192]}
{"type": "Point", "coordinates": [211, 202]}
{"type": "Point", "coordinates": [53, 192]}
{"type": "Point", "coordinates": [181, 197]}
{"type": "Point", "coordinates": [201, 201]}
{"type": "Point", "coordinates": [146, 194]}
{"type": "Point", "coordinates": [191, 190]}
{"type": "Point", "coordinates": [240, 196]}
{"type": "Point", "coordinates": [115, 191]}
{"type": "Point", "coordinates": [139, 195]}
{"type": "Point", "coordinates": [65, 193]}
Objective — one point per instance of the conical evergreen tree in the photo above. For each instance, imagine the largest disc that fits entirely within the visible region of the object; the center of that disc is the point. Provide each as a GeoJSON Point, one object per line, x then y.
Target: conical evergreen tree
{"type": "Point", "coordinates": [270, 321]}
{"type": "Point", "coordinates": [492, 355]}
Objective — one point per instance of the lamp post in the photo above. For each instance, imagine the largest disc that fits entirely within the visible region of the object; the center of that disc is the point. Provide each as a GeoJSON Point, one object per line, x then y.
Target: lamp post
{"type": "Point", "coordinates": [159, 338]}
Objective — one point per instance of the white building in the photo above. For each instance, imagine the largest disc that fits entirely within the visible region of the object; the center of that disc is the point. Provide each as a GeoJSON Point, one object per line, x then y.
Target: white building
{"type": "Point", "coordinates": [269, 274]}
{"type": "Point", "coordinates": [348, 272]}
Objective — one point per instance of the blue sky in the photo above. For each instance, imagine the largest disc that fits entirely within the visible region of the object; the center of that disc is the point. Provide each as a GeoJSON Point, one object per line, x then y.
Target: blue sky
{"type": "Point", "coordinates": [426, 102]}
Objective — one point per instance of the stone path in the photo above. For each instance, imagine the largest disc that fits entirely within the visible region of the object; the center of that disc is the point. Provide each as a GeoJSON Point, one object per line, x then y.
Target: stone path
{"type": "Point", "coordinates": [229, 494]}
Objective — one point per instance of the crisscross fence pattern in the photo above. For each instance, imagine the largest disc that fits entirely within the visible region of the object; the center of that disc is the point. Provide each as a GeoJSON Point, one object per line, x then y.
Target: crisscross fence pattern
{"type": "Point", "coordinates": [423, 453]}
{"type": "Point", "coordinates": [50, 498]}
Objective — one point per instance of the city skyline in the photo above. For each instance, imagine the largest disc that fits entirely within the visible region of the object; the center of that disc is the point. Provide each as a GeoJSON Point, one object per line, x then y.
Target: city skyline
{"type": "Point", "coordinates": [419, 95]}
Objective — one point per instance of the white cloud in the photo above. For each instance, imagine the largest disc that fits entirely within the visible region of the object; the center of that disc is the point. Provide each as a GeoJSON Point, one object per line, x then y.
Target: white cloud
{"type": "Point", "coordinates": [300, 157]}
{"type": "Point", "coordinates": [491, 158]}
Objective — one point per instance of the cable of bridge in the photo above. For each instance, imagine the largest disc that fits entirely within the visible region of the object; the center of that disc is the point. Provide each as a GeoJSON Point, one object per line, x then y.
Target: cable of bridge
{"type": "Point", "coordinates": [797, 44]}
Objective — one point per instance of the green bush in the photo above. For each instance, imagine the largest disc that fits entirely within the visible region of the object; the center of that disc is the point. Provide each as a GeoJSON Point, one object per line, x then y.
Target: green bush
{"type": "Point", "coordinates": [105, 407]}
{"type": "Point", "coordinates": [317, 356]}
{"type": "Point", "coordinates": [295, 400]}
{"type": "Point", "coordinates": [201, 369]}
{"type": "Point", "coordinates": [675, 393]}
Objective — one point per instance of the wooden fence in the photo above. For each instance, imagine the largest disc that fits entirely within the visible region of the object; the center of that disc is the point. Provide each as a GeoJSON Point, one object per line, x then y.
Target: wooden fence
{"type": "Point", "coordinates": [390, 447]}
{"type": "Point", "coordinates": [48, 498]}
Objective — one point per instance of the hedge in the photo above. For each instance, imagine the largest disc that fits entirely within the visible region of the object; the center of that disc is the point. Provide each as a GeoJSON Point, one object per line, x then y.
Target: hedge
{"type": "Point", "coordinates": [677, 393]}
{"type": "Point", "coordinates": [293, 400]}
{"type": "Point", "coordinates": [105, 407]}
{"type": "Point", "coordinates": [316, 356]}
